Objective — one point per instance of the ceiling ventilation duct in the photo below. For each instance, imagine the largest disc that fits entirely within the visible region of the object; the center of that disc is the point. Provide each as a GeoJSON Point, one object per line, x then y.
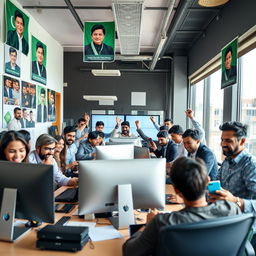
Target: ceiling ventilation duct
{"type": "Point", "coordinates": [128, 17]}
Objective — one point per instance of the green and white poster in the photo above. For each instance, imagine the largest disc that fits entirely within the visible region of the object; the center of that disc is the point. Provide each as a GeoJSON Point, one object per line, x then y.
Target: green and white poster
{"type": "Point", "coordinates": [38, 64]}
{"type": "Point", "coordinates": [41, 104]}
{"type": "Point", "coordinates": [229, 64]}
{"type": "Point", "coordinates": [12, 61]}
{"type": "Point", "coordinates": [16, 28]}
{"type": "Point", "coordinates": [99, 41]}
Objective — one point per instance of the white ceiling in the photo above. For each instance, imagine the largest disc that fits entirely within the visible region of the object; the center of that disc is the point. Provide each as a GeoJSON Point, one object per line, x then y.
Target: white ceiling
{"type": "Point", "coordinates": [61, 24]}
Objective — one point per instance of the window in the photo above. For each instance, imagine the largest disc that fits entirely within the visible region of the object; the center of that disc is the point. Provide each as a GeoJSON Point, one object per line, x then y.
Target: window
{"type": "Point", "coordinates": [215, 117]}
{"type": "Point", "coordinates": [198, 100]}
{"type": "Point", "coordinates": [248, 98]}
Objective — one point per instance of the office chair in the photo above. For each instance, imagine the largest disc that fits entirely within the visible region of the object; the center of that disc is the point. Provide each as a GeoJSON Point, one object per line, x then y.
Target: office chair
{"type": "Point", "coordinates": [214, 237]}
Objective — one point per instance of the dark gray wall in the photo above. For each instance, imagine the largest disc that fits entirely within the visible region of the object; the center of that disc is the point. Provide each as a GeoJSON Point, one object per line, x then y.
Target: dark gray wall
{"type": "Point", "coordinates": [155, 84]}
{"type": "Point", "coordinates": [236, 18]}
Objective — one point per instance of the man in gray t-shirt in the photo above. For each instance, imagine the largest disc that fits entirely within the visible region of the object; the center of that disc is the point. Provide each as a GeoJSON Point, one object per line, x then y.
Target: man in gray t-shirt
{"type": "Point", "coordinates": [192, 190]}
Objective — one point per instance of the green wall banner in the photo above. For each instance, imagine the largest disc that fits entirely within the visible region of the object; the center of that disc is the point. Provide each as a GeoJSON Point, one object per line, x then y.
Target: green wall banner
{"type": "Point", "coordinates": [229, 64]}
{"type": "Point", "coordinates": [16, 28]}
{"type": "Point", "coordinates": [99, 41]}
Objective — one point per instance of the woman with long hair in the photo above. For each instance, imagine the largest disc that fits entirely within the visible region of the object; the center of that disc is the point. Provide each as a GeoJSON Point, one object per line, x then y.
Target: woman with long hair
{"type": "Point", "coordinates": [14, 147]}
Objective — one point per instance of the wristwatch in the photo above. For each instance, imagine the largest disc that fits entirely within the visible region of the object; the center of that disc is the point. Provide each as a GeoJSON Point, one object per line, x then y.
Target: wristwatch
{"type": "Point", "coordinates": [238, 202]}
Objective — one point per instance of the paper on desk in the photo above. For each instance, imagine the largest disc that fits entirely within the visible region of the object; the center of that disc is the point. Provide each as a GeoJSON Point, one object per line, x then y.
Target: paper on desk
{"type": "Point", "coordinates": [104, 233]}
{"type": "Point", "coordinates": [80, 224]}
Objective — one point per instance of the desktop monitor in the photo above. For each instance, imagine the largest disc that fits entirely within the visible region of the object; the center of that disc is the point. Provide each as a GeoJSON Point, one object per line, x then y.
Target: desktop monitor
{"type": "Point", "coordinates": [145, 124]}
{"type": "Point", "coordinates": [123, 140]}
{"type": "Point", "coordinates": [26, 192]}
{"type": "Point", "coordinates": [100, 180]}
{"type": "Point", "coordinates": [115, 152]}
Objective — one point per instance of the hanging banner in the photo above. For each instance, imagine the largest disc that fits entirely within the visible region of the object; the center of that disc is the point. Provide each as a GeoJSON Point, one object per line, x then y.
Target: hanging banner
{"type": "Point", "coordinates": [99, 41]}
{"type": "Point", "coordinates": [17, 28]}
{"type": "Point", "coordinates": [38, 65]}
{"type": "Point", "coordinates": [229, 64]}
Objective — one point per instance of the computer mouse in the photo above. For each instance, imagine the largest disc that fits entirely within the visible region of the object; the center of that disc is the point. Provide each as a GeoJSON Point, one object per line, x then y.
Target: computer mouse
{"type": "Point", "coordinates": [33, 223]}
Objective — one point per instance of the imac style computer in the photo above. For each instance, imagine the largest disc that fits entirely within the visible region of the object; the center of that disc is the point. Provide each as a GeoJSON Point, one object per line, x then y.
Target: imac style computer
{"type": "Point", "coordinates": [123, 185]}
{"type": "Point", "coordinates": [26, 192]}
{"type": "Point", "coordinates": [112, 152]}
{"type": "Point", "coordinates": [116, 141]}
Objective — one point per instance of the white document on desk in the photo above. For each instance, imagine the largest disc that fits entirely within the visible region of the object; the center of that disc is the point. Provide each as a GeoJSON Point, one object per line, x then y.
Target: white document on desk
{"type": "Point", "coordinates": [104, 233]}
{"type": "Point", "coordinates": [80, 224]}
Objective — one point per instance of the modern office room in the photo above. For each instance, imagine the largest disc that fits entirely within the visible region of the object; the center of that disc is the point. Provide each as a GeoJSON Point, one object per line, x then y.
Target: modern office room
{"type": "Point", "coordinates": [142, 112]}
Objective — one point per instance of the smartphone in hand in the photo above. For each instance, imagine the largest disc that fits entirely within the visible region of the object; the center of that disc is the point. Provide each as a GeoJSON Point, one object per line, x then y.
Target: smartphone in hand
{"type": "Point", "coordinates": [213, 186]}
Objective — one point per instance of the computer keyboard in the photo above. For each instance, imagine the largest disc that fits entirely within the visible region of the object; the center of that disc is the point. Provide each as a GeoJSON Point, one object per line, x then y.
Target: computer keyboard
{"type": "Point", "coordinates": [69, 195]}
{"type": "Point", "coordinates": [66, 208]}
{"type": "Point", "coordinates": [62, 221]}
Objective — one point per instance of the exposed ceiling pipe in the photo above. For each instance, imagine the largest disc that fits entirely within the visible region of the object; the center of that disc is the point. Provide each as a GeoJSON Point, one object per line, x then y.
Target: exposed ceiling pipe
{"type": "Point", "coordinates": [181, 11]}
{"type": "Point", "coordinates": [163, 37]}
{"type": "Point", "coordinates": [74, 13]}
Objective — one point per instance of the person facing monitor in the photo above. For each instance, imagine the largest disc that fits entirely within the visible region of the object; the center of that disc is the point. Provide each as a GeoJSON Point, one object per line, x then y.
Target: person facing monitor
{"type": "Point", "coordinates": [26, 192]}
{"type": "Point", "coordinates": [95, 197]}
{"type": "Point", "coordinates": [190, 179]}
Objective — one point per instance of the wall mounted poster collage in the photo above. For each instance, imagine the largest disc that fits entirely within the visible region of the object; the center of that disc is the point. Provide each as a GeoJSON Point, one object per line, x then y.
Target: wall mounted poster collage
{"type": "Point", "coordinates": [36, 102]}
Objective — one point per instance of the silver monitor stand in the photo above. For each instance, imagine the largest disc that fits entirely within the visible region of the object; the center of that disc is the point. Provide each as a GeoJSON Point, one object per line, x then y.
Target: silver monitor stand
{"type": "Point", "coordinates": [125, 207]}
{"type": "Point", "coordinates": [7, 230]}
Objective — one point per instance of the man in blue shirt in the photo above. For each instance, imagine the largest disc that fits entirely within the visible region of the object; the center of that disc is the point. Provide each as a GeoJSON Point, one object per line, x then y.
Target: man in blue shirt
{"type": "Point", "coordinates": [238, 171]}
{"type": "Point", "coordinates": [195, 148]}
{"type": "Point", "coordinates": [71, 147]}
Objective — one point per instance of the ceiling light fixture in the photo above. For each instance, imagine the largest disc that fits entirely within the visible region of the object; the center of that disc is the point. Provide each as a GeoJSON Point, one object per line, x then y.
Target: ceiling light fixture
{"type": "Point", "coordinates": [211, 3]}
{"type": "Point", "coordinates": [106, 72]}
{"type": "Point", "coordinates": [99, 97]}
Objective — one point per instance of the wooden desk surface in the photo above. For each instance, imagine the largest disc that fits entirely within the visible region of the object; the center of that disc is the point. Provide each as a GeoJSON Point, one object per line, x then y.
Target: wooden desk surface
{"type": "Point", "coordinates": [26, 246]}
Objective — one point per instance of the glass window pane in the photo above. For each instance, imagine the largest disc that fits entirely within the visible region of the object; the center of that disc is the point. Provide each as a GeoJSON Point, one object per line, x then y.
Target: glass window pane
{"type": "Point", "coordinates": [198, 92]}
{"type": "Point", "coordinates": [216, 114]}
{"type": "Point", "coordinates": [248, 97]}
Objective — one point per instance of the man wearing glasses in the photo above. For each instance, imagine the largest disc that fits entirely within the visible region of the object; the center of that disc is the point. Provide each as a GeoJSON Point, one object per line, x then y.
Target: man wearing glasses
{"type": "Point", "coordinates": [45, 146]}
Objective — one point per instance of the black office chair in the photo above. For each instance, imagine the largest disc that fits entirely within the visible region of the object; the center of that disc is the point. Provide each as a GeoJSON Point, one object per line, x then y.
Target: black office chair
{"type": "Point", "coordinates": [225, 236]}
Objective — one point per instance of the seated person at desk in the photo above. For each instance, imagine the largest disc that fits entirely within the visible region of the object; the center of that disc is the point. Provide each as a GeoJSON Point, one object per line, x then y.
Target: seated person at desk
{"type": "Point", "coordinates": [143, 135]}
{"type": "Point", "coordinates": [69, 134]}
{"type": "Point", "coordinates": [125, 132]}
{"type": "Point", "coordinates": [192, 190]}
{"type": "Point", "coordinates": [169, 149]}
{"type": "Point", "coordinates": [176, 135]}
{"type": "Point", "coordinates": [195, 148]}
{"type": "Point", "coordinates": [14, 147]}
{"type": "Point", "coordinates": [86, 150]}
{"type": "Point", "coordinates": [45, 147]}
{"type": "Point", "coordinates": [101, 138]}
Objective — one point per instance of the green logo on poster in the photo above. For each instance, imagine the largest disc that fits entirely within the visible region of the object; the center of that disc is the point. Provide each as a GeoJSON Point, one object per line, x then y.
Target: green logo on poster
{"type": "Point", "coordinates": [7, 117]}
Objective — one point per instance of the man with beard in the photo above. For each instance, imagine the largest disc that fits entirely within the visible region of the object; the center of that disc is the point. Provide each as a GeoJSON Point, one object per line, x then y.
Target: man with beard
{"type": "Point", "coordinates": [195, 148]}
{"type": "Point", "coordinates": [15, 124]}
{"type": "Point", "coordinates": [45, 146]}
{"type": "Point", "coordinates": [238, 171]}
{"type": "Point", "coordinates": [125, 131]}
{"type": "Point", "coordinates": [71, 149]}
{"type": "Point", "coordinates": [169, 149]}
